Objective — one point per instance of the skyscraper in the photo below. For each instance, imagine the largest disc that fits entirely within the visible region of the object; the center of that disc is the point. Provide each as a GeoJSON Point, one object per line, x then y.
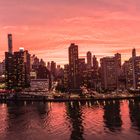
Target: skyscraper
{"type": "Point", "coordinates": [89, 60]}
{"type": "Point", "coordinates": [22, 69]}
{"type": "Point", "coordinates": [82, 68]}
{"type": "Point", "coordinates": [53, 68]}
{"type": "Point", "coordinates": [17, 67]}
{"type": "Point", "coordinates": [9, 65]}
{"type": "Point", "coordinates": [118, 68]}
{"type": "Point", "coordinates": [73, 67]}
{"type": "Point", "coordinates": [9, 70]}
{"type": "Point", "coordinates": [134, 67]}
{"type": "Point", "coordinates": [108, 73]}
{"type": "Point", "coordinates": [134, 52]}
{"type": "Point", "coordinates": [10, 44]}
{"type": "Point", "coordinates": [95, 74]}
{"type": "Point", "coordinates": [95, 64]}
{"type": "Point", "coordinates": [132, 72]}
{"type": "Point", "coordinates": [66, 76]}
{"type": "Point", "coordinates": [2, 68]}
{"type": "Point", "coordinates": [42, 63]}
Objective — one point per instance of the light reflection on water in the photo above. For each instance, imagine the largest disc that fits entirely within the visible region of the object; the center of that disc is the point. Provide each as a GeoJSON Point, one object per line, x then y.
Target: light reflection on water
{"type": "Point", "coordinates": [70, 121]}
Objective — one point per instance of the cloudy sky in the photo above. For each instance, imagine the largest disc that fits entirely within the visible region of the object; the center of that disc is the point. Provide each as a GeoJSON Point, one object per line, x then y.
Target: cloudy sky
{"type": "Point", "coordinates": [47, 27]}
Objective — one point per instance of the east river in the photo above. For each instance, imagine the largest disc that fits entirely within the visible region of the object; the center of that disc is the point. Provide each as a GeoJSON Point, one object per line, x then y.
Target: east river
{"type": "Point", "coordinates": [105, 120]}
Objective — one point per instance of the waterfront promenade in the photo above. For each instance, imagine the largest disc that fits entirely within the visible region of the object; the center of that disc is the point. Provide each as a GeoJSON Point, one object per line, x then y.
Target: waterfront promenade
{"type": "Point", "coordinates": [63, 97]}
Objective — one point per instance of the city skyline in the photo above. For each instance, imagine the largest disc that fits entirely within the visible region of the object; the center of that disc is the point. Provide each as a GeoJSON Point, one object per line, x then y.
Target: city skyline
{"type": "Point", "coordinates": [102, 27]}
{"type": "Point", "coordinates": [69, 69]}
{"type": "Point", "coordinates": [84, 56]}
{"type": "Point", "coordinates": [21, 66]}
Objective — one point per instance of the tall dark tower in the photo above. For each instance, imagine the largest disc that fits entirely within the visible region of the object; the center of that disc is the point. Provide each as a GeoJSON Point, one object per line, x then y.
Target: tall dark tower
{"type": "Point", "coordinates": [134, 52]}
{"type": "Point", "coordinates": [9, 65]}
{"type": "Point", "coordinates": [89, 60]}
{"type": "Point", "coordinates": [134, 67]}
{"type": "Point", "coordinates": [118, 68]}
{"type": "Point", "coordinates": [10, 45]}
{"type": "Point", "coordinates": [73, 67]}
{"type": "Point", "coordinates": [95, 64]}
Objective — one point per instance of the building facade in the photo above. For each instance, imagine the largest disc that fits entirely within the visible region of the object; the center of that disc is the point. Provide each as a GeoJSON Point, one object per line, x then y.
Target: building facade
{"type": "Point", "coordinates": [89, 60]}
{"type": "Point", "coordinates": [17, 67]}
{"type": "Point", "coordinates": [73, 67]}
{"type": "Point", "coordinates": [132, 72]}
{"type": "Point", "coordinates": [108, 73]}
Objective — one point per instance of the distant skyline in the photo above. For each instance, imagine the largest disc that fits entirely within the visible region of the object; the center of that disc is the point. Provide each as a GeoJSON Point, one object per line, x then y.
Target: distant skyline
{"type": "Point", "coordinates": [48, 27]}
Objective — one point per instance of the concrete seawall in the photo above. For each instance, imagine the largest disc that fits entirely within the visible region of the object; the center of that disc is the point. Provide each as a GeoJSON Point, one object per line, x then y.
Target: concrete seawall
{"type": "Point", "coordinates": [46, 99]}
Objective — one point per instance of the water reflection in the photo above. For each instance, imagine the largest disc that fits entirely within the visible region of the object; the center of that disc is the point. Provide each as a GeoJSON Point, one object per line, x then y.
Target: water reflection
{"type": "Point", "coordinates": [112, 117]}
{"type": "Point", "coordinates": [3, 120]}
{"type": "Point", "coordinates": [75, 117]}
{"type": "Point", "coordinates": [72, 120]}
{"type": "Point", "coordinates": [134, 109]}
{"type": "Point", "coordinates": [23, 117]}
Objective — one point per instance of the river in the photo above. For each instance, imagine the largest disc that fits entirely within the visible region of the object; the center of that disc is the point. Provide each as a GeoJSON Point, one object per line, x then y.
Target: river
{"type": "Point", "coordinates": [105, 120]}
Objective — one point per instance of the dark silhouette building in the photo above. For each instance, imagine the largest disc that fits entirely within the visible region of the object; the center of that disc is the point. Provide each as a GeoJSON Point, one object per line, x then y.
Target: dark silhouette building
{"type": "Point", "coordinates": [108, 75]}
{"type": "Point", "coordinates": [73, 67]}
{"type": "Point", "coordinates": [42, 63]}
{"type": "Point", "coordinates": [95, 64]}
{"type": "Point", "coordinates": [89, 60]}
{"type": "Point", "coordinates": [95, 73]}
{"type": "Point", "coordinates": [82, 68]}
{"type": "Point", "coordinates": [53, 68]}
{"type": "Point", "coordinates": [22, 69]}
{"type": "Point", "coordinates": [9, 70]}
{"type": "Point", "coordinates": [132, 72]}
{"type": "Point", "coordinates": [17, 67]}
{"type": "Point", "coordinates": [10, 44]}
{"type": "Point", "coordinates": [66, 76]}
{"type": "Point", "coordinates": [9, 64]}
{"type": "Point", "coordinates": [42, 72]}
{"type": "Point", "coordinates": [110, 70]}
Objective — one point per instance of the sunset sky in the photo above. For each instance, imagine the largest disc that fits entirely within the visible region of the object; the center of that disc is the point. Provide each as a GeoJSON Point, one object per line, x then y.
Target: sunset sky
{"type": "Point", "coordinates": [47, 27]}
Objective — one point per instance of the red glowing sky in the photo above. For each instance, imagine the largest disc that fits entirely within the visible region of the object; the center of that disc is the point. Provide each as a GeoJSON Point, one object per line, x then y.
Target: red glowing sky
{"type": "Point", "coordinates": [47, 27]}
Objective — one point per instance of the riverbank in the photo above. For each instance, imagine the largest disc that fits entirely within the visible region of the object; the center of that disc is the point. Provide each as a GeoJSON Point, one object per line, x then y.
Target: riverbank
{"type": "Point", "coordinates": [40, 98]}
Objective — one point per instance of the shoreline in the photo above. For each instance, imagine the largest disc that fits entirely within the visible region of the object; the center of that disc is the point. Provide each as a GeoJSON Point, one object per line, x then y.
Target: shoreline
{"type": "Point", "coordinates": [45, 99]}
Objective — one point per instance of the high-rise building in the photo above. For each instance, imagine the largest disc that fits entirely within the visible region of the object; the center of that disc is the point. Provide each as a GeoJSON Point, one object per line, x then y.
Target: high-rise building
{"type": "Point", "coordinates": [82, 68]}
{"type": "Point", "coordinates": [53, 68]}
{"type": "Point", "coordinates": [108, 73]}
{"type": "Point", "coordinates": [95, 64]}
{"type": "Point", "coordinates": [118, 68]}
{"type": "Point", "coordinates": [17, 67]}
{"type": "Point", "coordinates": [132, 72]}
{"type": "Point", "coordinates": [10, 44]}
{"type": "Point", "coordinates": [49, 66]}
{"type": "Point", "coordinates": [42, 63]}
{"type": "Point", "coordinates": [32, 61]}
{"type": "Point", "coordinates": [128, 74]}
{"type": "Point", "coordinates": [95, 74]}
{"type": "Point", "coordinates": [73, 67]}
{"type": "Point", "coordinates": [42, 72]}
{"type": "Point", "coordinates": [2, 67]}
{"type": "Point", "coordinates": [134, 53]}
{"type": "Point", "coordinates": [89, 60]}
{"type": "Point", "coordinates": [66, 76]}
{"type": "Point", "coordinates": [35, 63]}
{"type": "Point", "coordinates": [9, 70]}
{"type": "Point", "coordinates": [59, 72]}
{"type": "Point", "coordinates": [22, 69]}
